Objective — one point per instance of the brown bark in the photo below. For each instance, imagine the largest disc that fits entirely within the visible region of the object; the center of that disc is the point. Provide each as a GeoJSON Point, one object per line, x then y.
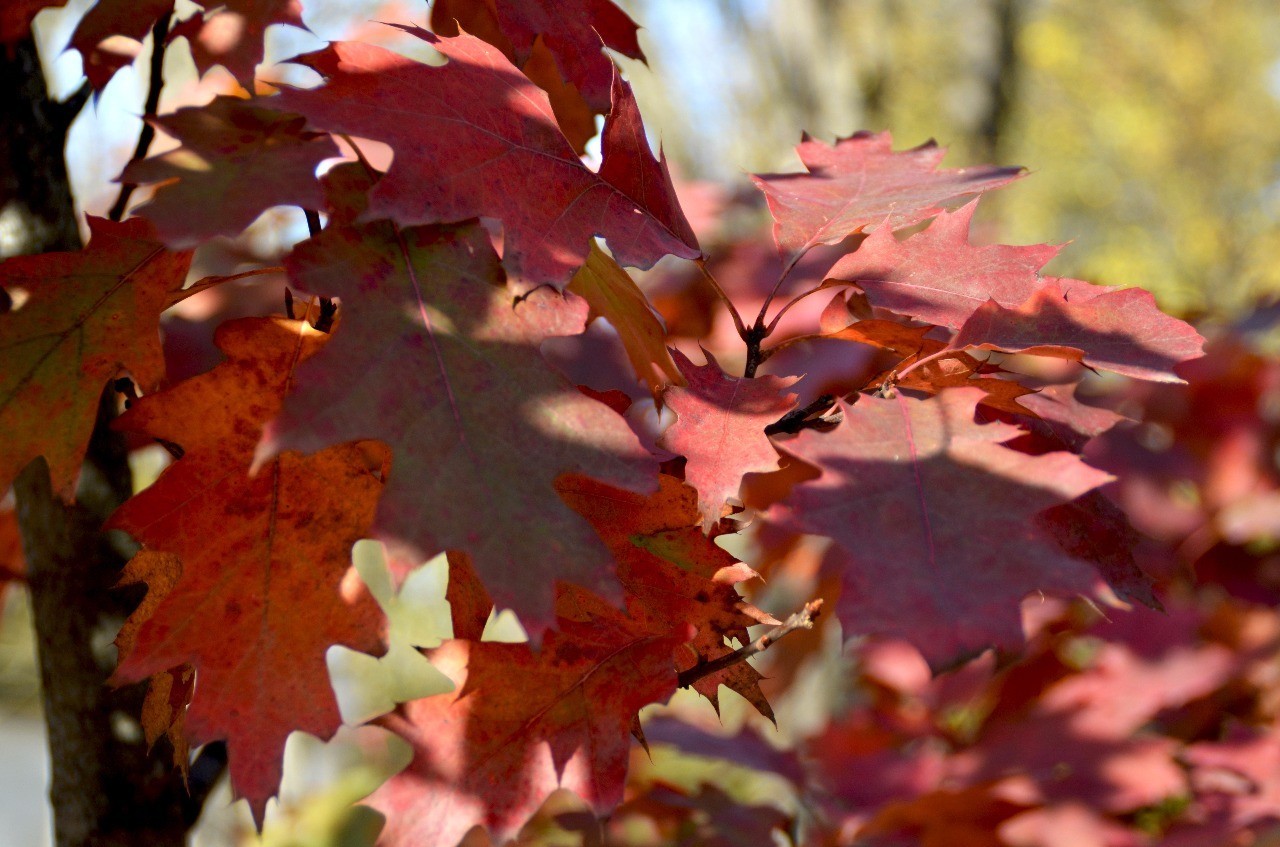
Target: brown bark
{"type": "Point", "coordinates": [107, 790]}
{"type": "Point", "coordinates": [35, 195]}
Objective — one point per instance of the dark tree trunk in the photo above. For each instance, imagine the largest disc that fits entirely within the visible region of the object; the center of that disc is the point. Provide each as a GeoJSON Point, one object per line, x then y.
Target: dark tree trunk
{"type": "Point", "coordinates": [106, 791]}
{"type": "Point", "coordinates": [1008, 19]}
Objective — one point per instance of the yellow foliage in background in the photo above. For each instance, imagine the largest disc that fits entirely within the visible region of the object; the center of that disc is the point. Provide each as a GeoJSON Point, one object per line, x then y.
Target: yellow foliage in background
{"type": "Point", "coordinates": [1151, 127]}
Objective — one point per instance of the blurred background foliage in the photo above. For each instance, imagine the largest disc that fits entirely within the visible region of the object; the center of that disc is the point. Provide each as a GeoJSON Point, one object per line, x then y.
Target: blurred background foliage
{"type": "Point", "coordinates": [1152, 132]}
{"type": "Point", "coordinates": [1151, 127]}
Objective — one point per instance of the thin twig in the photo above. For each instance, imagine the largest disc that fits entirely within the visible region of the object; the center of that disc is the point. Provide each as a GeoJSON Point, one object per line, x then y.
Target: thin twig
{"type": "Point", "coordinates": [755, 357]}
{"type": "Point", "coordinates": [313, 221]}
{"type": "Point", "coordinates": [803, 619]}
{"type": "Point", "coordinates": [798, 419]}
{"type": "Point", "coordinates": [159, 39]}
{"type": "Point", "coordinates": [777, 286]}
{"type": "Point", "coordinates": [766, 354]}
{"type": "Point", "coordinates": [932, 357]}
{"type": "Point", "coordinates": [360, 157]}
{"type": "Point", "coordinates": [773, 324]}
{"type": "Point", "coordinates": [328, 309]}
{"type": "Point", "coordinates": [65, 113]}
{"type": "Point", "coordinates": [205, 283]}
{"type": "Point", "coordinates": [758, 332]}
{"type": "Point", "coordinates": [724, 298]}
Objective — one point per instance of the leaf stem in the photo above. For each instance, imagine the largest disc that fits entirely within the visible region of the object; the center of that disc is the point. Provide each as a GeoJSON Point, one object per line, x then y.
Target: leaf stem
{"type": "Point", "coordinates": [803, 619]}
{"type": "Point", "coordinates": [932, 357]}
{"type": "Point", "coordinates": [777, 286]}
{"type": "Point", "coordinates": [159, 43]}
{"type": "Point", "coordinates": [724, 298]}
{"type": "Point", "coordinates": [755, 356]}
{"type": "Point", "coordinates": [798, 419]}
{"type": "Point", "coordinates": [313, 221]}
{"type": "Point", "coordinates": [773, 324]}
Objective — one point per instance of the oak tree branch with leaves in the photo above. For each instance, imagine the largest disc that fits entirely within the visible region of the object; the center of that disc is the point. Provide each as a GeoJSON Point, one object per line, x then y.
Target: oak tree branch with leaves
{"type": "Point", "coordinates": [403, 394]}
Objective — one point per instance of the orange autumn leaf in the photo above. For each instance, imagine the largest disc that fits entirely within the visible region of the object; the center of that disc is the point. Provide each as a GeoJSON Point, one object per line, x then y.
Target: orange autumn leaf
{"type": "Point", "coordinates": [265, 584]}
{"type": "Point", "coordinates": [490, 752]}
{"type": "Point", "coordinates": [674, 575]}
{"type": "Point", "coordinates": [614, 296]}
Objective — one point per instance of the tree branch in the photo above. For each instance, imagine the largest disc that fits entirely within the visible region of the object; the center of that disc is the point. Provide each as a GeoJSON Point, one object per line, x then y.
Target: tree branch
{"type": "Point", "coordinates": [159, 39]}
{"type": "Point", "coordinates": [106, 790]}
{"type": "Point", "coordinates": [798, 419]}
{"type": "Point", "coordinates": [313, 221]}
{"type": "Point", "coordinates": [754, 337]}
{"type": "Point", "coordinates": [803, 619]}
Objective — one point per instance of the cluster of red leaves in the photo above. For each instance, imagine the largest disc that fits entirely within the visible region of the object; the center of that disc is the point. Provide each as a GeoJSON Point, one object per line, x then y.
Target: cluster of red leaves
{"type": "Point", "coordinates": [945, 487]}
{"type": "Point", "coordinates": [1122, 728]}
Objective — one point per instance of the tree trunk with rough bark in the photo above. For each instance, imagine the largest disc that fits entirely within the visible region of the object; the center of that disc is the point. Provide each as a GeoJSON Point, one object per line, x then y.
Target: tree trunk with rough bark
{"type": "Point", "coordinates": [106, 789]}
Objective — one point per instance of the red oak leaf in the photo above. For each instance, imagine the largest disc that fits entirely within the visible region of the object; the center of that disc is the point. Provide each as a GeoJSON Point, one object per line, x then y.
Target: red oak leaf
{"type": "Point", "coordinates": [719, 428]}
{"type": "Point", "coordinates": [434, 358]}
{"type": "Point", "coordinates": [232, 32]}
{"type": "Point", "coordinates": [1148, 661]}
{"type": "Point", "coordinates": [747, 746]}
{"type": "Point", "coordinates": [858, 743]}
{"type": "Point", "coordinates": [480, 18]}
{"type": "Point", "coordinates": [1243, 768]}
{"type": "Point", "coordinates": [576, 118]}
{"type": "Point", "coordinates": [859, 182]}
{"type": "Point", "coordinates": [164, 708]}
{"type": "Point", "coordinates": [236, 161]}
{"type": "Point", "coordinates": [480, 108]}
{"type": "Point", "coordinates": [937, 275]}
{"type": "Point", "coordinates": [967, 817]}
{"type": "Point", "coordinates": [1114, 330]}
{"type": "Point", "coordinates": [95, 35]}
{"type": "Point", "coordinates": [884, 335]}
{"type": "Point", "coordinates": [492, 752]}
{"type": "Point", "coordinates": [1063, 419]}
{"type": "Point", "coordinates": [230, 35]}
{"type": "Point", "coordinates": [265, 585]}
{"type": "Point", "coordinates": [1083, 738]}
{"type": "Point", "coordinates": [88, 315]}
{"type": "Point", "coordinates": [575, 32]}
{"type": "Point", "coordinates": [674, 575]}
{"type": "Point", "coordinates": [709, 818]}
{"type": "Point", "coordinates": [931, 516]}
{"type": "Point", "coordinates": [1094, 529]}
{"type": "Point", "coordinates": [16, 17]}
{"type": "Point", "coordinates": [469, 601]}
{"type": "Point", "coordinates": [1116, 774]}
